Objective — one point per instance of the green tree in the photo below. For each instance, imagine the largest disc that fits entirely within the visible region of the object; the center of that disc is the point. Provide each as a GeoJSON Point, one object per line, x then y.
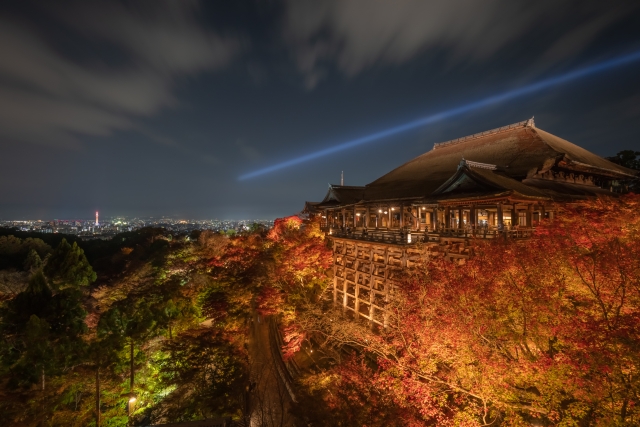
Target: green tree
{"type": "Point", "coordinates": [102, 354]}
{"type": "Point", "coordinates": [627, 158]}
{"type": "Point", "coordinates": [206, 374]}
{"type": "Point", "coordinates": [33, 261]}
{"type": "Point", "coordinates": [42, 337]}
{"type": "Point", "coordinates": [130, 323]}
{"type": "Point", "coordinates": [68, 266]}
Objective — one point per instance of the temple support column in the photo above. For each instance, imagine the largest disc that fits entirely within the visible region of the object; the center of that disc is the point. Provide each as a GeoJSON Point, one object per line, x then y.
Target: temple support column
{"type": "Point", "coordinates": [460, 218]}
{"type": "Point", "coordinates": [401, 216]}
{"type": "Point", "coordinates": [447, 217]}
{"type": "Point", "coordinates": [529, 215]}
{"type": "Point", "coordinates": [500, 218]}
{"type": "Point", "coordinates": [344, 280]}
{"type": "Point", "coordinates": [335, 278]}
{"type": "Point", "coordinates": [356, 291]}
{"type": "Point", "coordinates": [473, 218]}
{"type": "Point", "coordinates": [355, 217]}
{"type": "Point", "coordinates": [366, 218]}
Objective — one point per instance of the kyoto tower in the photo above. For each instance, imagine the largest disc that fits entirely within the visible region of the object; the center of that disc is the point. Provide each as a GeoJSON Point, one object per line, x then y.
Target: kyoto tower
{"type": "Point", "coordinates": [97, 218]}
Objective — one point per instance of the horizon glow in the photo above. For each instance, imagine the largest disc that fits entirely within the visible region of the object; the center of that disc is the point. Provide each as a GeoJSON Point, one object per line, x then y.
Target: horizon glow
{"type": "Point", "coordinates": [505, 96]}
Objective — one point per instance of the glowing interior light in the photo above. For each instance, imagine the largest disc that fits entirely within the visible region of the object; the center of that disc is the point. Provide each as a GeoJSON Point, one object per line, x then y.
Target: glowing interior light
{"type": "Point", "coordinates": [452, 112]}
{"type": "Point", "coordinates": [380, 210]}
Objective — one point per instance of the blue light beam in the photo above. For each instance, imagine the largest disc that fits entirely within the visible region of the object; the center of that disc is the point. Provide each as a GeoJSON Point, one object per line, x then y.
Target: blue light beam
{"type": "Point", "coordinates": [506, 96]}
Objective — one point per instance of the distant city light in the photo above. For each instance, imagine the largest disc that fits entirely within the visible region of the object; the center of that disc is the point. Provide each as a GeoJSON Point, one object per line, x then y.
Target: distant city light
{"type": "Point", "coordinates": [505, 96]}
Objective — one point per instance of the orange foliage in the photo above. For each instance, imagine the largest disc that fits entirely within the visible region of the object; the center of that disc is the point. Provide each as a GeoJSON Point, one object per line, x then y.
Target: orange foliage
{"type": "Point", "coordinates": [546, 329]}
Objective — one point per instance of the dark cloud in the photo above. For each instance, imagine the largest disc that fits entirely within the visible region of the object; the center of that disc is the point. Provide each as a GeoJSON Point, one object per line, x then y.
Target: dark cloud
{"type": "Point", "coordinates": [358, 34]}
{"type": "Point", "coordinates": [156, 107]}
{"type": "Point", "coordinates": [48, 96]}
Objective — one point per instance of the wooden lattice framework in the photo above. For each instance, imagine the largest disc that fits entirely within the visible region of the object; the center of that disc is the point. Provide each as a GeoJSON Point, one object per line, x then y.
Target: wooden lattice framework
{"type": "Point", "coordinates": [366, 273]}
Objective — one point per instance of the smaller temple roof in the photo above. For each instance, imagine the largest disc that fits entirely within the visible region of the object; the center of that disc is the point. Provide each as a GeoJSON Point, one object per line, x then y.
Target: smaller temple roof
{"type": "Point", "coordinates": [474, 178]}
{"type": "Point", "coordinates": [311, 207]}
{"type": "Point", "coordinates": [342, 195]}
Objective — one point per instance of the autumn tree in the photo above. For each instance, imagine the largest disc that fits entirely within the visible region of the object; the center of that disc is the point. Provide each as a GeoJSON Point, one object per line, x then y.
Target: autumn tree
{"type": "Point", "coordinates": [538, 331]}
{"type": "Point", "coordinates": [300, 260]}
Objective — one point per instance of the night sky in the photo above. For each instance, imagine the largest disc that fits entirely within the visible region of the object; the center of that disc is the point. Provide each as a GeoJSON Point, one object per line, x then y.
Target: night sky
{"type": "Point", "coordinates": [153, 108]}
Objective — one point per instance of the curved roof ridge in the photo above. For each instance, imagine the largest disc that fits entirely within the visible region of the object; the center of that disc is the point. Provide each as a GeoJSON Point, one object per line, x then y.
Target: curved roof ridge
{"type": "Point", "coordinates": [580, 155]}
{"type": "Point", "coordinates": [523, 123]}
{"type": "Point", "coordinates": [502, 129]}
{"type": "Point", "coordinates": [347, 187]}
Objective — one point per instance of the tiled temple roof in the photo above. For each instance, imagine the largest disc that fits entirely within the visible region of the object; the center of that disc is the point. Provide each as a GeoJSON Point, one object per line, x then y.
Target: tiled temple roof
{"type": "Point", "coordinates": [342, 195]}
{"type": "Point", "coordinates": [518, 151]}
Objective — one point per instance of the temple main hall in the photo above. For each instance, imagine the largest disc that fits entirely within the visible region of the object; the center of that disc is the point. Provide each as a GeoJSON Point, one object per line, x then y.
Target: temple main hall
{"type": "Point", "coordinates": [495, 184]}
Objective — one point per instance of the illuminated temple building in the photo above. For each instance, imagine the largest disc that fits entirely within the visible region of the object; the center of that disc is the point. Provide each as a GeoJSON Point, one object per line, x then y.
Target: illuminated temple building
{"type": "Point", "coordinates": [498, 183]}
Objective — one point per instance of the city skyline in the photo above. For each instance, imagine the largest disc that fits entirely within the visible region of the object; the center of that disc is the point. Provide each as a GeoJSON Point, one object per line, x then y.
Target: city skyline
{"type": "Point", "coordinates": [148, 109]}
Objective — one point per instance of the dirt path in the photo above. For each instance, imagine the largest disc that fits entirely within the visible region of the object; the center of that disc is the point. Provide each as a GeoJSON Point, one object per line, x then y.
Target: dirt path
{"type": "Point", "coordinates": [270, 399]}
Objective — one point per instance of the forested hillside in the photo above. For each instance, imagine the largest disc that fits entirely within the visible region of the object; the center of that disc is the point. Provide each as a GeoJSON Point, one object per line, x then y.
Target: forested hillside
{"type": "Point", "coordinates": [152, 328]}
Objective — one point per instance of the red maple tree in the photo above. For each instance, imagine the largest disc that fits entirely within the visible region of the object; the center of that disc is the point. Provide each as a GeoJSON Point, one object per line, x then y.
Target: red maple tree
{"type": "Point", "coordinates": [545, 329]}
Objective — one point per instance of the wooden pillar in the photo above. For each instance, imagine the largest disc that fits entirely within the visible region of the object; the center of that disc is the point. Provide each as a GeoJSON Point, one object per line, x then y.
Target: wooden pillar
{"type": "Point", "coordinates": [500, 218]}
{"type": "Point", "coordinates": [385, 320]}
{"type": "Point", "coordinates": [344, 293]}
{"type": "Point", "coordinates": [389, 216]}
{"type": "Point", "coordinates": [434, 214]}
{"type": "Point", "coordinates": [371, 299]}
{"type": "Point", "coordinates": [529, 215]}
{"type": "Point", "coordinates": [355, 217]}
{"type": "Point", "coordinates": [344, 218]}
{"type": "Point", "coordinates": [356, 293]}
{"type": "Point", "coordinates": [401, 215]}
{"type": "Point", "coordinates": [335, 277]}
{"type": "Point", "coordinates": [541, 212]}
{"type": "Point", "coordinates": [473, 216]}
{"type": "Point", "coordinates": [460, 218]}
{"type": "Point", "coordinates": [447, 217]}
{"type": "Point", "coordinates": [366, 218]}
{"type": "Point", "coordinates": [514, 216]}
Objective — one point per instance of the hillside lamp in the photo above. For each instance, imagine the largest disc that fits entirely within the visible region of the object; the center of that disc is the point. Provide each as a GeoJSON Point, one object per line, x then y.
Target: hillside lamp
{"type": "Point", "coordinates": [132, 398]}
